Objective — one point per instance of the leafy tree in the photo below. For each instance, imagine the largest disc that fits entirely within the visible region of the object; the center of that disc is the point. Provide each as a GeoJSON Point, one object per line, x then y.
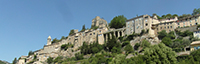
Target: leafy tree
{"type": "Point", "coordinates": [185, 15]}
{"type": "Point", "coordinates": [35, 57]}
{"type": "Point", "coordinates": [71, 32]}
{"type": "Point", "coordinates": [159, 54]}
{"type": "Point", "coordinates": [186, 42]}
{"type": "Point", "coordinates": [137, 45]}
{"type": "Point", "coordinates": [128, 48]}
{"type": "Point", "coordinates": [78, 56]}
{"type": "Point", "coordinates": [162, 34]}
{"type": "Point", "coordinates": [175, 15]}
{"type": "Point", "coordinates": [171, 35]}
{"type": "Point", "coordinates": [49, 60]}
{"type": "Point", "coordinates": [167, 41]}
{"type": "Point", "coordinates": [30, 53]}
{"type": "Point", "coordinates": [142, 32]}
{"type": "Point", "coordinates": [14, 61]}
{"type": "Point", "coordinates": [83, 28]}
{"type": "Point", "coordinates": [196, 55]}
{"type": "Point", "coordinates": [55, 40]}
{"type": "Point", "coordinates": [125, 43]}
{"type": "Point", "coordinates": [196, 11]}
{"type": "Point", "coordinates": [118, 22]}
{"type": "Point", "coordinates": [119, 59]}
{"type": "Point", "coordinates": [112, 43]}
{"type": "Point", "coordinates": [145, 44]}
{"type": "Point", "coordinates": [58, 59]}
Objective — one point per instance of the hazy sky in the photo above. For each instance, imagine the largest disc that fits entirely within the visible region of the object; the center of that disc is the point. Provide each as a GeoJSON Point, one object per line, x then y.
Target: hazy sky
{"type": "Point", "coordinates": [26, 24]}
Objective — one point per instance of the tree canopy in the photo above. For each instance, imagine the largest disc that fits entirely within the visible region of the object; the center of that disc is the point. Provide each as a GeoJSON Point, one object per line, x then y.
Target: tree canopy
{"type": "Point", "coordinates": [159, 54]}
{"type": "Point", "coordinates": [71, 32]}
{"type": "Point", "coordinates": [196, 11]}
{"type": "Point", "coordinates": [118, 22]}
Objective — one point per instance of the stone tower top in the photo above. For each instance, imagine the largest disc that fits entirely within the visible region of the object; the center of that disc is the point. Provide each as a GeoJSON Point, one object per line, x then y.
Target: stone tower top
{"type": "Point", "coordinates": [49, 37]}
{"type": "Point", "coordinates": [97, 21]}
{"type": "Point", "coordinates": [49, 40]}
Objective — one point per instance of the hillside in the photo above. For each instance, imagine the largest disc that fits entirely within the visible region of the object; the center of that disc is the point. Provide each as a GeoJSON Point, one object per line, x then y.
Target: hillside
{"type": "Point", "coordinates": [4, 62]}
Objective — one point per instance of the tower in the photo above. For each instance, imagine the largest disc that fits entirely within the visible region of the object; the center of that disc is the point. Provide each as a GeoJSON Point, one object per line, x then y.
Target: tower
{"type": "Point", "coordinates": [49, 40]}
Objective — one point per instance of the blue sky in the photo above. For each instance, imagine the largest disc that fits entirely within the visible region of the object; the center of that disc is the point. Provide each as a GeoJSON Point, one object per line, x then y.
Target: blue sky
{"type": "Point", "coordinates": [26, 24]}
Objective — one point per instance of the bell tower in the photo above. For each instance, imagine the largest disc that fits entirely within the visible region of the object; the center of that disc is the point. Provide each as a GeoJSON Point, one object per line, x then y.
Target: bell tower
{"type": "Point", "coordinates": [49, 40]}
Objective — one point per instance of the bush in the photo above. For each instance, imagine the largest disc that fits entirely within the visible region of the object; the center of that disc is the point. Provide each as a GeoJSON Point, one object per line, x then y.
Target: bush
{"type": "Point", "coordinates": [145, 43]}
{"type": "Point", "coordinates": [128, 48]}
{"type": "Point", "coordinates": [137, 45]}
{"type": "Point", "coordinates": [125, 43]}
{"type": "Point", "coordinates": [167, 41]}
{"type": "Point", "coordinates": [78, 56]}
{"type": "Point", "coordinates": [50, 60]}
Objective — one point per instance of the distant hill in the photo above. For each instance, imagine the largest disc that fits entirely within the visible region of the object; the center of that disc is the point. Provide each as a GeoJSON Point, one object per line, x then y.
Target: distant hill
{"type": "Point", "coordinates": [4, 62]}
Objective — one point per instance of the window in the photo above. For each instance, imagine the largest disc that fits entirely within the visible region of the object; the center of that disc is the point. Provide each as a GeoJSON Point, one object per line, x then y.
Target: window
{"type": "Point", "coordinates": [100, 35]}
{"type": "Point", "coordinates": [100, 31]}
{"type": "Point", "coordinates": [94, 33]}
{"type": "Point", "coordinates": [160, 27]}
{"type": "Point", "coordinates": [190, 24]}
{"type": "Point", "coordinates": [146, 24]}
{"type": "Point", "coordinates": [133, 21]}
{"type": "Point", "coordinates": [178, 26]}
{"type": "Point", "coordinates": [171, 26]}
{"type": "Point", "coordinates": [195, 48]}
{"type": "Point", "coordinates": [169, 30]}
{"type": "Point", "coordinates": [137, 27]}
{"type": "Point", "coordinates": [195, 19]}
{"type": "Point", "coordinates": [128, 23]}
{"type": "Point", "coordinates": [190, 20]}
{"type": "Point", "coordinates": [90, 33]}
{"type": "Point", "coordinates": [167, 26]}
{"type": "Point", "coordinates": [183, 22]}
{"type": "Point", "coordinates": [145, 20]}
{"type": "Point", "coordinates": [184, 25]}
{"type": "Point", "coordinates": [178, 23]}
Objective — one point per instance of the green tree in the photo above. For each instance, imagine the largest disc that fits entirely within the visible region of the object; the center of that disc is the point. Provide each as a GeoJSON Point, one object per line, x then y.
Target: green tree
{"type": "Point", "coordinates": [159, 54]}
{"type": "Point", "coordinates": [58, 59]}
{"type": "Point", "coordinates": [119, 59]}
{"type": "Point", "coordinates": [30, 53]}
{"type": "Point", "coordinates": [145, 44]}
{"type": "Point", "coordinates": [185, 42]}
{"type": "Point", "coordinates": [35, 57]}
{"type": "Point", "coordinates": [55, 40]}
{"type": "Point", "coordinates": [128, 48]}
{"type": "Point", "coordinates": [71, 32]}
{"type": "Point", "coordinates": [14, 61]}
{"type": "Point", "coordinates": [78, 56]}
{"type": "Point", "coordinates": [167, 41]}
{"type": "Point", "coordinates": [49, 60]}
{"type": "Point", "coordinates": [83, 28]}
{"type": "Point", "coordinates": [162, 34]}
{"type": "Point", "coordinates": [137, 45]}
{"type": "Point", "coordinates": [196, 11]}
{"type": "Point", "coordinates": [118, 22]}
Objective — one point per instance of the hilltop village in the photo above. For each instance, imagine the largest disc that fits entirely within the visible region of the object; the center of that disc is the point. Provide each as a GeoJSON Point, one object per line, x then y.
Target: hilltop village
{"type": "Point", "coordinates": [101, 33]}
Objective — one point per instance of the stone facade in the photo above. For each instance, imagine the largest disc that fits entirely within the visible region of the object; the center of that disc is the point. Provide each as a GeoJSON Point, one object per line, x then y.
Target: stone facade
{"type": "Point", "coordinates": [101, 34]}
{"type": "Point", "coordinates": [97, 21]}
{"type": "Point", "coordinates": [188, 21]}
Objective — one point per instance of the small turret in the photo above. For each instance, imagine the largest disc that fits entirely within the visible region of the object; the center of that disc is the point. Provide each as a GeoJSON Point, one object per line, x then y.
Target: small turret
{"type": "Point", "coordinates": [49, 40]}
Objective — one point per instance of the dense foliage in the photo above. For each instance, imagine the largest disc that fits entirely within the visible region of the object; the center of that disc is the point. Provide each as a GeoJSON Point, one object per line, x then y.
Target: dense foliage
{"type": "Point", "coordinates": [91, 48]}
{"type": "Point", "coordinates": [71, 32]}
{"type": "Point", "coordinates": [66, 46]}
{"type": "Point", "coordinates": [118, 22]}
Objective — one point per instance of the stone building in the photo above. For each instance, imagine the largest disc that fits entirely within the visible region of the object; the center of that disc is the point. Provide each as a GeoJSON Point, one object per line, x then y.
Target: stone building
{"type": "Point", "coordinates": [166, 24]}
{"type": "Point", "coordinates": [188, 21]}
{"type": "Point", "coordinates": [97, 21]}
{"type": "Point", "coordinates": [195, 45]}
{"type": "Point", "coordinates": [139, 23]}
